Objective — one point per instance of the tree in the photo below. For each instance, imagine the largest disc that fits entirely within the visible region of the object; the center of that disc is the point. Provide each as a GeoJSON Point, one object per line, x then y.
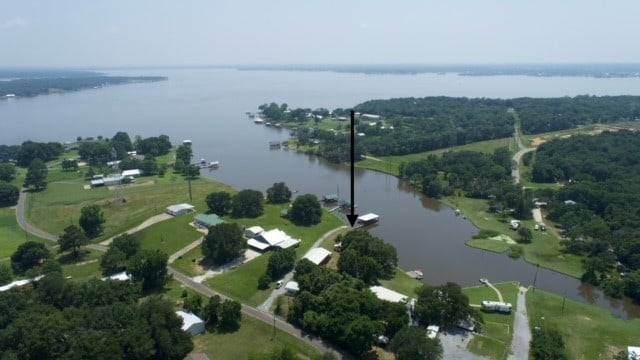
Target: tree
{"type": "Point", "coordinates": [360, 334]}
{"type": "Point", "coordinates": [306, 210]}
{"type": "Point", "coordinates": [192, 171]}
{"type": "Point", "coordinates": [279, 193]}
{"type": "Point", "coordinates": [219, 202]}
{"type": "Point", "coordinates": [193, 304]}
{"type": "Point", "coordinates": [150, 268]}
{"type": "Point", "coordinates": [366, 257]}
{"type": "Point", "coordinates": [525, 235]}
{"type": "Point", "coordinates": [6, 275]}
{"type": "Point", "coordinates": [113, 261]}
{"type": "Point", "coordinates": [72, 239]}
{"type": "Point", "coordinates": [9, 194]}
{"type": "Point", "coordinates": [444, 305]}
{"type": "Point", "coordinates": [28, 255]}
{"type": "Point", "coordinates": [247, 203]}
{"type": "Point", "coordinates": [7, 172]}
{"type": "Point", "coordinates": [412, 343]}
{"type": "Point", "coordinates": [281, 262]}
{"type": "Point", "coordinates": [36, 175]}
{"type": "Point", "coordinates": [229, 314]}
{"type": "Point", "coordinates": [69, 165]}
{"type": "Point", "coordinates": [184, 153]}
{"type": "Point", "coordinates": [223, 243]}
{"type": "Point", "coordinates": [92, 220]}
{"type": "Point", "coordinates": [210, 311]}
{"type": "Point", "coordinates": [126, 243]}
{"type": "Point", "coordinates": [547, 344]}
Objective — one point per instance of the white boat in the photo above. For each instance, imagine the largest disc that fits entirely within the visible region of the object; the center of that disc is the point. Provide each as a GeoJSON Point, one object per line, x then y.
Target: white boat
{"type": "Point", "coordinates": [258, 120]}
{"type": "Point", "coordinates": [416, 274]}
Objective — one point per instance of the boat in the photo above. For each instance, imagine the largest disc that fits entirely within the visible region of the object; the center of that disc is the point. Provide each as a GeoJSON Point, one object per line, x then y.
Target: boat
{"type": "Point", "coordinates": [484, 280]}
{"type": "Point", "coordinates": [267, 124]}
{"type": "Point", "coordinates": [214, 164]}
{"type": "Point", "coordinates": [277, 125]}
{"type": "Point", "coordinates": [416, 274]}
{"type": "Point", "coordinates": [258, 120]}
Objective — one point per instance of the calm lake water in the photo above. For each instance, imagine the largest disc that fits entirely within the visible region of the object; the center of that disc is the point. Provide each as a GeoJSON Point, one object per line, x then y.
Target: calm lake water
{"type": "Point", "coordinates": [208, 106]}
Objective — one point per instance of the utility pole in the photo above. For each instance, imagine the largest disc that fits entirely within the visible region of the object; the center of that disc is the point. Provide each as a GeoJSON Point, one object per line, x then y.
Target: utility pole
{"type": "Point", "coordinates": [535, 277]}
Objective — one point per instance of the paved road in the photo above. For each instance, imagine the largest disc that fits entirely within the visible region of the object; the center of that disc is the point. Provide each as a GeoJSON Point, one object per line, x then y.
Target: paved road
{"type": "Point", "coordinates": [515, 172]}
{"type": "Point", "coordinates": [521, 330]}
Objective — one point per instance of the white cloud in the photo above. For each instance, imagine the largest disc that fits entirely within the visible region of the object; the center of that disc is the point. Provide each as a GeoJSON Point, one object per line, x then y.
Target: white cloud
{"type": "Point", "coordinates": [15, 23]}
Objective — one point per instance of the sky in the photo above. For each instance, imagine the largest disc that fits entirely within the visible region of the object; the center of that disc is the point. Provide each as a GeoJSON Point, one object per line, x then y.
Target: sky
{"type": "Point", "coordinates": [76, 33]}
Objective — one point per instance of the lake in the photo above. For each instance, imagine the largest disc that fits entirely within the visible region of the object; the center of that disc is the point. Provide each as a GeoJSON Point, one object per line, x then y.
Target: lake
{"type": "Point", "coordinates": [208, 107]}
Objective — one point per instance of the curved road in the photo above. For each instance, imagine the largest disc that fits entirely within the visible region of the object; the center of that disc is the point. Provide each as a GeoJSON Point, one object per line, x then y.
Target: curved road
{"type": "Point", "coordinates": [187, 281]}
{"type": "Point", "coordinates": [515, 172]}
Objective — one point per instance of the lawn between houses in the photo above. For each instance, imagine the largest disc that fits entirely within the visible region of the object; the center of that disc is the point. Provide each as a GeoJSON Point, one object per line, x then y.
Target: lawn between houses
{"type": "Point", "coordinates": [59, 205]}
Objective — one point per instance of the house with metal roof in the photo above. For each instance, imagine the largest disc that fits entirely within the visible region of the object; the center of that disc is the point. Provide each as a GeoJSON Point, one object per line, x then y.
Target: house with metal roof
{"type": "Point", "coordinates": [318, 256]}
{"type": "Point", "coordinates": [180, 209]}
{"type": "Point", "coordinates": [191, 323]}
{"type": "Point", "coordinates": [207, 220]}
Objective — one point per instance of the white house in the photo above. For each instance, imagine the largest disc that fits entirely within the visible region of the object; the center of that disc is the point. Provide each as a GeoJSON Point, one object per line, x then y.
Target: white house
{"type": "Point", "coordinates": [191, 323]}
{"type": "Point", "coordinates": [180, 209]}
{"type": "Point", "coordinates": [633, 352]}
{"type": "Point", "coordinates": [132, 173]}
{"type": "Point", "coordinates": [389, 295]}
{"type": "Point", "coordinates": [291, 288]}
{"type": "Point", "coordinates": [318, 256]}
{"type": "Point", "coordinates": [121, 276]}
{"type": "Point", "coordinates": [271, 239]}
{"type": "Point", "coordinates": [253, 231]}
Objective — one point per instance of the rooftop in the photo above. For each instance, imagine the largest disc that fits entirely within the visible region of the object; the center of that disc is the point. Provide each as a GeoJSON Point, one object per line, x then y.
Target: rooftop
{"type": "Point", "coordinates": [368, 217]}
{"type": "Point", "coordinates": [317, 255]}
{"type": "Point", "coordinates": [388, 295]}
{"type": "Point", "coordinates": [188, 319]}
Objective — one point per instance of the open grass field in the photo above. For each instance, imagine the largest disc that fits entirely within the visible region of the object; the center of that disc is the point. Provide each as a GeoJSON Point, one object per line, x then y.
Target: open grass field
{"type": "Point", "coordinates": [242, 283]}
{"type": "Point", "coordinates": [255, 336]}
{"type": "Point", "coordinates": [497, 331]}
{"type": "Point", "coordinates": [402, 283]}
{"type": "Point", "coordinates": [588, 332]}
{"type": "Point", "coordinates": [544, 249]}
{"type": "Point", "coordinates": [60, 204]}
{"type": "Point", "coordinates": [11, 235]}
{"type": "Point", "coordinates": [169, 236]}
{"type": "Point", "coordinates": [497, 246]}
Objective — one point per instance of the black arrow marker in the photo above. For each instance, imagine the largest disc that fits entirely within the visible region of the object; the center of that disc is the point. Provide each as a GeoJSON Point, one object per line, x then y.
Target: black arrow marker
{"type": "Point", "coordinates": [353, 217]}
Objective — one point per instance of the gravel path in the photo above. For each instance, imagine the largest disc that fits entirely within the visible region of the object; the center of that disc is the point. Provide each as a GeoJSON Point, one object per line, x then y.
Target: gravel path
{"type": "Point", "coordinates": [150, 221]}
{"type": "Point", "coordinates": [521, 329]}
{"type": "Point", "coordinates": [454, 345]}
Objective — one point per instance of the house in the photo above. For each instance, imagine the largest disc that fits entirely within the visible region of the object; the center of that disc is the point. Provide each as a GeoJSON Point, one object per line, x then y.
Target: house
{"type": "Point", "coordinates": [569, 202]}
{"type": "Point", "coordinates": [389, 295]}
{"type": "Point", "coordinates": [515, 224]}
{"type": "Point", "coordinates": [633, 352]}
{"type": "Point", "coordinates": [272, 239]}
{"type": "Point", "coordinates": [180, 209]}
{"type": "Point", "coordinates": [318, 256]}
{"type": "Point", "coordinates": [132, 173]}
{"type": "Point", "coordinates": [121, 276]}
{"type": "Point", "coordinates": [113, 179]}
{"type": "Point", "coordinates": [291, 288]}
{"type": "Point", "coordinates": [113, 164]}
{"type": "Point", "coordinates": [207, 220]}
{"type": "Point", "coordinates": [191, 323]}
{"type": "Point", "coordinates": [496, 306]}
{"type": "Point", "coordinates": [19, 283]}
{"type": "Point", "coordinates": [432, 331]}
{"type": "Point", "coordinates": [97, 182]}
{"type": "Point", "coordinates": [371, 116]}
{"type": "Point", "coordinates": [368, 219]}
{"type": "Point", "coordinates": [253, 231]}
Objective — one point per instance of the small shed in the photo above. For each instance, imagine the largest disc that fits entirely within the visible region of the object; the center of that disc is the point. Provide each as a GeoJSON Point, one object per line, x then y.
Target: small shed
{"type": "Point", "coordinates": [253, 231]}
{"type": "Point", "coordinates": [207, 220]}
{"type": "Point", "coordinates": [180, 209]}
{"type": "Point", "coordinates": [191, 323]}
{"type": "Point", "coordinates": [291, 288]}
{"type": "Point", "coordinates": [330, 198]}
{"type": "Point", "coordinates": [318, 256]}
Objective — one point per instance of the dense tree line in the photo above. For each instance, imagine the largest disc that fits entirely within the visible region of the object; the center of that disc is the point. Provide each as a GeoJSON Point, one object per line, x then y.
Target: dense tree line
{"type": "Point", "coordinates": [597, 207]}
{"type": "Point", "coordinates": [8, 152]}
{"type": "Point", "coordinates": [366, 257]}
{"type": "Point", "coordinates": [58, 319]}
{"type": "Point", "coordinates": [342, 310]}
{"type": "Point", "coordinates": [46, 85]}
{"type": "Point", "coordinates": [30, 150]}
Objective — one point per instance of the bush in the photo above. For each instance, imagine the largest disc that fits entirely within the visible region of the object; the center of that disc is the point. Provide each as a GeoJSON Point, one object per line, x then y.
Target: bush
{"type": "Point", "coordinates": [264, 281]}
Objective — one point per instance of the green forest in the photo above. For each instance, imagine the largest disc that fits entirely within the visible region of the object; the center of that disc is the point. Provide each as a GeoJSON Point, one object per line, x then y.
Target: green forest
{"type": "Point", "coordinates": [410, 125]}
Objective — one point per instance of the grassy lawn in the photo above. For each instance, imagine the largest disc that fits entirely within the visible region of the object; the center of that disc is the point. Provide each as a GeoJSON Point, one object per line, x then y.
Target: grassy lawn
{"type": "Point", "coordinates": [187, 265]}
{"type": "Point", "coordinates": [242, 283]}
{"type": "Point", "coordinates": [60, 204]}
{"type": "Point", "coordinates": [498, 246]}
{"type": "Point", "coordinates": [544, 249]}
{"type": "Point", "coordinates": [402, 283]}
{"type": "Point", "coordinates": [85, 267]}
{"type": "Point", "coordinates": [173, 292]}
{"type": "Point", "coordinates": [589, 332]}
{"type": "Point", "coordinates": [255, 336]}
{"type": "Point", "coordinates": [11, 235]}
{"type": "Point", "coordinates": [170, 235]}
{"type": "Point", "coordinates": [495, 340]}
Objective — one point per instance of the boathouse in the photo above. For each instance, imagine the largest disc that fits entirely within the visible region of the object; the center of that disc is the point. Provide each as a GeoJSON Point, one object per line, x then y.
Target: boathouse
{"type": "Point", "coordinates": [180, 209]}
{"type": "Point", "coordinates": [368, 219]}
{"type": "Point", "coordinates": [330, 198]}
